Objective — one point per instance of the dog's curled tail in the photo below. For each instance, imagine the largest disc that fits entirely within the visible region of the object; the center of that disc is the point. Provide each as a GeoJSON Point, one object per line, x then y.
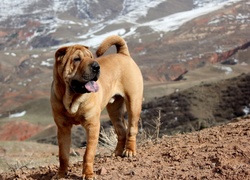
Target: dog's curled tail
{"type": "Point", "coordinates": [121, 46]}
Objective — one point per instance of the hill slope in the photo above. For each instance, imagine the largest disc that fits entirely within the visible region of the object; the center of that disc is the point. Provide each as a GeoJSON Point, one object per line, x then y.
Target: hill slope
{"type": "Point", "coordinates": [201, 106]}
{"type": "Point", "coordinates": [215, 153]}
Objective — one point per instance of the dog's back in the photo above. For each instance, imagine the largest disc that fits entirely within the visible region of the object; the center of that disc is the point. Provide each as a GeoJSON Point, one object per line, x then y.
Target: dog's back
{"type": "Point", "coordinates": [120, 44]}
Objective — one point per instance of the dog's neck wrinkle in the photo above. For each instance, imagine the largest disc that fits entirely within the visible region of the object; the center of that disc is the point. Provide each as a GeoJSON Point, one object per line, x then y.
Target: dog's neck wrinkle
{"type": "Point", "coordinates": [68, 101]}
{"type": "Point", "coordinates": [73, 101]}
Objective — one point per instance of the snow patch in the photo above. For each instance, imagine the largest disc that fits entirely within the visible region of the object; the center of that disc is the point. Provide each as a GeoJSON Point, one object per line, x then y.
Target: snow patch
{"type": "Point", "coordinates": [47, 62]}
{"type": "Point", "coordinates": [35, 56]}
{"type": "Point", "coordinates": [227, 70]}
{"type": "Point", "coordinates": [20, 114]}
{"type": "Point", "coordinates": [246, 110]}
{"type": "Point", "coordinates": [94, 40]}
{"type": "Point", "coordinates": [174, 21]}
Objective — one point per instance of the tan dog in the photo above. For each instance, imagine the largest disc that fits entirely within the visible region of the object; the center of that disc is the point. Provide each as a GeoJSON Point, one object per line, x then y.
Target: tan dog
{"type": "Point", "coordinates": [83, 86]}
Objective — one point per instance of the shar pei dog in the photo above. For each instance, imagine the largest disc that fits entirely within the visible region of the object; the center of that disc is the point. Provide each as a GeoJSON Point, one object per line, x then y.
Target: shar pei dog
{"type": "Point", "coordinates": [83, 86]}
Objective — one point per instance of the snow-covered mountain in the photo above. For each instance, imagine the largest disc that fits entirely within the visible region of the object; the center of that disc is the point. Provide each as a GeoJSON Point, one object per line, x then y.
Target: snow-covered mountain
{"type": "Point", "coordinates": [202, 3]}
{"type": "Point", "coordinates": [96, 19]}
{"type": "Point", "coordinates": [131, 9]}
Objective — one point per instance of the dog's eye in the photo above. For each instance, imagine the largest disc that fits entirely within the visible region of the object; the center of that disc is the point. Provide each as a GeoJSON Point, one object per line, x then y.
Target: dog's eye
{"type": "Point", "coordinates": [77, 59]}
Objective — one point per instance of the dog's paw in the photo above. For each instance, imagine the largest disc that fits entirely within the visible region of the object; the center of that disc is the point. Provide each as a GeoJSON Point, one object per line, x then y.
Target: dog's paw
{"type": "Point", "coordinates": [88, 177]}
{"type": "Point", "coordinates": [128, 153]}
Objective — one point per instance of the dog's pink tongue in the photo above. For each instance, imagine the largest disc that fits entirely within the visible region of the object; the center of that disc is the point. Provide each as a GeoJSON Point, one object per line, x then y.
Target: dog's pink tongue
{"type": "Point", "coordinates": [92, 86]}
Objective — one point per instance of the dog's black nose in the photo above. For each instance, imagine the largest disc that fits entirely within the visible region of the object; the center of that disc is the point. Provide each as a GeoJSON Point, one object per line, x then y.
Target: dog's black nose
{"type": "Point", "coordinates": [95, 67]}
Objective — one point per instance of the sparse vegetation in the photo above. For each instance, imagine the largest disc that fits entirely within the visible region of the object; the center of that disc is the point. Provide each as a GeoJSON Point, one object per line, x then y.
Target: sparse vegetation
{"type": "Point", "coordinates": [205, 105]}
{"type": "Point", "coordinates": [153, 132]}
{"type": "Point", "coordinates": [18, 165]}
{"type": "Point", "coordinates": [108, 138]}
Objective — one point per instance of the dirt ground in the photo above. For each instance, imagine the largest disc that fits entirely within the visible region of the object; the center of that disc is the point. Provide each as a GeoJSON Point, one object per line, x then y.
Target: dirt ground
{"type": "Point", "coordinates": [220, 152]}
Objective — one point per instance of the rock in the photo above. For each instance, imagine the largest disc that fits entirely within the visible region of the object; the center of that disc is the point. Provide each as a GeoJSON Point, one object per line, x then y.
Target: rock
{"type": "Point", "coordinates": [102, 171]}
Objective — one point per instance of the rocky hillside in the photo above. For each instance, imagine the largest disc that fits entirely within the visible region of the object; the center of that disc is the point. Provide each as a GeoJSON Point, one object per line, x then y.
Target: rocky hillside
{"type": "Point", "coordinates": [199, 107]}
{"type": "Point", "coordinates": [215, 153]}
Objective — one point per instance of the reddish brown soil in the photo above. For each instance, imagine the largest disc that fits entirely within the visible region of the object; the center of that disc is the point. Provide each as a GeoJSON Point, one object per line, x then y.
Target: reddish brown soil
{"type": "Point", "coordinates": [18, 130]}
{"type": "Point", "coordinates": [215, 153]}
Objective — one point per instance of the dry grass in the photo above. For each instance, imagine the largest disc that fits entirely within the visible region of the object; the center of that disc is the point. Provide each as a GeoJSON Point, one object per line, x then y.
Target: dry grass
{"type": "Point", "coordinates": [154, 133]}
{"type": "Point", "coordinates": [108, 138]}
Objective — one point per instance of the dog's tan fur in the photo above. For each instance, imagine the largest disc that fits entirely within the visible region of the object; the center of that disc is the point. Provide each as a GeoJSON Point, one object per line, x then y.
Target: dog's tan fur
{"type": "Point", "coordinates": [120, 85]}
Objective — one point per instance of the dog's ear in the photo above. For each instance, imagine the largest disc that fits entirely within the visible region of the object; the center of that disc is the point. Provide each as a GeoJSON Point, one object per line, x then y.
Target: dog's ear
{"type": "Point", "coordinates": [60, 53]}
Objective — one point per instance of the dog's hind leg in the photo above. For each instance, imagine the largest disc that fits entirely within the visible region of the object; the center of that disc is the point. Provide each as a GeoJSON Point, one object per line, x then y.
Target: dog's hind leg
{"type": "Point", "coordinates": [133, 105]}
{"type": "Point", "coordinates": [116, 113]}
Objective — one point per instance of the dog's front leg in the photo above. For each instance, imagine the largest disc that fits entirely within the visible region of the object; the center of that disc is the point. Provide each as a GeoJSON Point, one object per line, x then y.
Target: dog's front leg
{"type": "Point", "coordinates": [92, 131]}
{"type": "Point", "coordinates": [64, 141]}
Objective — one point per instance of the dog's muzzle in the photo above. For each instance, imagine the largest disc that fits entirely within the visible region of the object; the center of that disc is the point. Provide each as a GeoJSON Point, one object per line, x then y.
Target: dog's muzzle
{"type": "Point", "coordinates": [88, 83]}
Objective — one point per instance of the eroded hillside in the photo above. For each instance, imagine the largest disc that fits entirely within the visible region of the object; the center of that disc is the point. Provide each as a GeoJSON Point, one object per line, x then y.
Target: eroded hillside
{"type": "Point", "coordinates": [202, 106]}
{"type": "Point", "coordinates": [215, 153]}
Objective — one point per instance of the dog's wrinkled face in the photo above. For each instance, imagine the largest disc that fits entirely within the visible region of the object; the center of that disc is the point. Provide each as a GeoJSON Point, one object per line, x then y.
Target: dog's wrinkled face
{"type": "Point", "coordinates": [77, 68]}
